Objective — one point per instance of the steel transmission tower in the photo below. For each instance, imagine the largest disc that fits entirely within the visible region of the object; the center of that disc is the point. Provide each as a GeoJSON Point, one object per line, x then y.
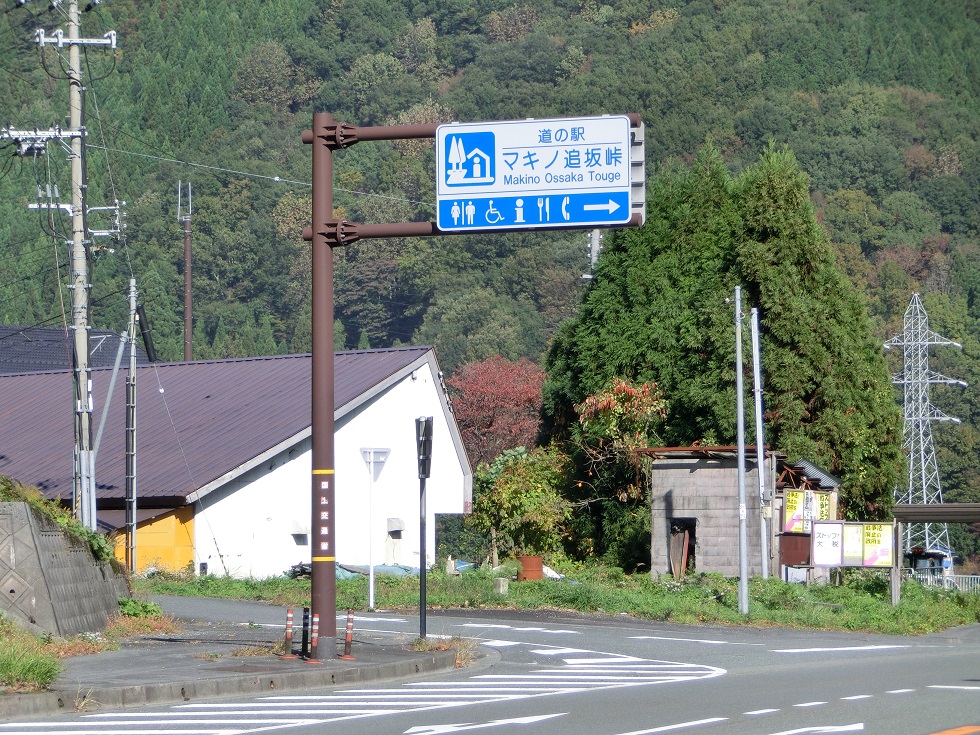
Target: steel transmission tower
{"type": "Point", "coordinates": [916, 378]}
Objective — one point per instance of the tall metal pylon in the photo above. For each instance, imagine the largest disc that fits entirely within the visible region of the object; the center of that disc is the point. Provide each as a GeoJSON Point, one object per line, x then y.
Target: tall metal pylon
{"type": "Point", "coordinates": [916, 378]}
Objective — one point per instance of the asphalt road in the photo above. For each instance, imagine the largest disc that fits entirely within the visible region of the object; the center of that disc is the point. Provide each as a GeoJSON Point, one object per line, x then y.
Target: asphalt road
{"type": "Point", "coordinates": [550, 674]}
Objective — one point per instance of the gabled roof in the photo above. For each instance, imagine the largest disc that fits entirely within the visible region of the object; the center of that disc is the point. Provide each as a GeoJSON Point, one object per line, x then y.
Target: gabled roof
{"type": "Point", "coordinates": [196, 421]}
{"type": "Point", "coordinates": [33, 349]}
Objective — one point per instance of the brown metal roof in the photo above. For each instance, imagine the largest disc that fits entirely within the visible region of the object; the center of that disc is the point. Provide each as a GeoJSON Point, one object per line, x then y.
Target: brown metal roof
{"type": "Point", "coordinates": [196, 421]}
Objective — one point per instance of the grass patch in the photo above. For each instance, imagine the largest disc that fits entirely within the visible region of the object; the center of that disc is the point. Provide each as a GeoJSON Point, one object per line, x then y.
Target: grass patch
{"type": "Point", "coordinates": [30, 663]}
{"type": "Point", "coordinates": [464, 647]}
{"type": "Point", "coordinates": [25, 663]}
{"type": "Point", "coordinates": [11, 491]}
{"type": "Point", "coordinates": [282, 591]}
{"type": "Point", "coordinates": [861, 603]}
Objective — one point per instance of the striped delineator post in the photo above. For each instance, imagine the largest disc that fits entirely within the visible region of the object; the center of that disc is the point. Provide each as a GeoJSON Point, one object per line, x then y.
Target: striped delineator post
{"type": "Point", "coordinates": [314, 640]}
{"type": "Point", "coordinates": [288, 643]}
{"type": "Point", "coordinates": [348, 637]}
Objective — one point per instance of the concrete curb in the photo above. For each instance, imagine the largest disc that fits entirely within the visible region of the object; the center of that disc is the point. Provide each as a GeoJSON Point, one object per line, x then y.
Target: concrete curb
{"type": "Point", "coordinates": [23, 705]}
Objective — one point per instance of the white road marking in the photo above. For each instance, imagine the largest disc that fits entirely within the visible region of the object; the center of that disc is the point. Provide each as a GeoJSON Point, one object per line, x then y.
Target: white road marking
{"type": "Point", "coordinates": [500, 644]}
{"type": "Point", "coordinates": [760, 712]}
{"type": "Point", "coordinates": [691, 640]}
{"type": "Point", "coordinates": [809, 704]}
{"type": "Point", "coordinates": [560, 671]}
{"type": "Point", "coordinates": [858, 696]}
{"type": "Point", "coordinates": [678, 726]}
{"type": "Point", "coordinates": [824, 729]}
{"type": "Point", "coordinates": [436, 729]}
{"type": "Point", "coordinates": [529, 629]}
{"type": "Point", "coordinates": [557, 651]}
{"type": "Point", "coordinates": [899, 691]}
{"type": "Point", "coordinates": [840, 648]}
{"type": "Point", "coordinates": [939, 686]}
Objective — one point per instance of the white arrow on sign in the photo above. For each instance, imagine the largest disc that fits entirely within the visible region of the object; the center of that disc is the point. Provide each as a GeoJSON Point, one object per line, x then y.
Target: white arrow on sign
{"type": "Point", "coordinates": [435, 729]}
{"type": "Point", "coordinates": [826, 729]}
{"type": "Point", "coordinates": [610, 207]}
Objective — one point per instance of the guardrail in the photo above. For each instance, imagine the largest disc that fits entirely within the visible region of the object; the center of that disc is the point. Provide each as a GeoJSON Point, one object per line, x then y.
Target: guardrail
{"type": "Point", "coordinates": [969, 583]}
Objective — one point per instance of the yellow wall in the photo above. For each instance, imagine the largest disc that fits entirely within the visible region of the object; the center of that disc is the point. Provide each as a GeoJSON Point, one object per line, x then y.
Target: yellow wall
{"type": "Point", "coordinates": [164, 542]}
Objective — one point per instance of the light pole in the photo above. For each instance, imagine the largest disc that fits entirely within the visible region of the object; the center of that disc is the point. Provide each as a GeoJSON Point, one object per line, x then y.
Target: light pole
{"type": "Point", "coordinates": [375, 460]}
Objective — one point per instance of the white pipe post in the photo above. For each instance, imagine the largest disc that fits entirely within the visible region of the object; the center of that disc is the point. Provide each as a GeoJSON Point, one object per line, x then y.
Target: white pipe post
{"type": "Point", "coordinates": [743, 554]}
{"type": "Point", "coordinates": [760, 445]}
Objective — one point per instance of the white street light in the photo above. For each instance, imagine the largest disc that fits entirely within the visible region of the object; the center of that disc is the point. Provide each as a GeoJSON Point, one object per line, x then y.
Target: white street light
{"type": "Point", "coordinates": [375, 460]}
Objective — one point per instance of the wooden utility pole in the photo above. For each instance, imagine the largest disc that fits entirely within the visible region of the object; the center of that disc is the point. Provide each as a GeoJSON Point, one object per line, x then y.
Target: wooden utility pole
{"type": "Point", "coordinates": [188, 301]}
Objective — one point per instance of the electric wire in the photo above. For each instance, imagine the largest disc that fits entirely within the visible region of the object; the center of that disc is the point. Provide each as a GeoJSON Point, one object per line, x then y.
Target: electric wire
{"type": "Point", "coordinates": [276, 179]}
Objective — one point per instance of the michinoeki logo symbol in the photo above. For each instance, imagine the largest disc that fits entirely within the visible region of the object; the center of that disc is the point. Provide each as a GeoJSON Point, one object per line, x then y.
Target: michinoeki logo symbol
{"type": "Point", "coordinates": [470, 158]}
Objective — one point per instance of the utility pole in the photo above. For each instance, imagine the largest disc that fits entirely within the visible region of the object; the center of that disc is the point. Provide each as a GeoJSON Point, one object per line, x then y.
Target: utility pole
{"type": "Point", "coordinates": [131, 434]}
{"type": "Point", "coordinates": [33, 143]}
{"type": "Point", "coordinates": [188, 301]}
{"type": "Point", "coordinates": [760, 445]}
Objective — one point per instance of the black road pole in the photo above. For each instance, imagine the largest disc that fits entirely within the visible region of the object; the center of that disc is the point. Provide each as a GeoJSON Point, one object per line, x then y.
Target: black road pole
{"type": "Point", "coordinates": [423, 438]}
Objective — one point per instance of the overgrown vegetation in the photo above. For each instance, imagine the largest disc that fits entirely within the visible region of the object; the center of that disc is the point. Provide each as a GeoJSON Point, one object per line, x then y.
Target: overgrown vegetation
{"type": "Point", "coordinates": [30, 663]}
{"type": "Point", "coordinates": [861, 603]}
{"type": "Point", "coordinates": [12, 491]}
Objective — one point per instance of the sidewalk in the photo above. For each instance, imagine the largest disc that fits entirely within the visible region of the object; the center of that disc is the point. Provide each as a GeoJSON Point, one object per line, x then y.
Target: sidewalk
{"type": "Point", "coordinates": [204, 660]}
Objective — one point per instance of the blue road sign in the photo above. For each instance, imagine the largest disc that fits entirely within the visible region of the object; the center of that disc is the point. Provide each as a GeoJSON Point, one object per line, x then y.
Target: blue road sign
{"type": "Point", "coordinates": [567, 172]}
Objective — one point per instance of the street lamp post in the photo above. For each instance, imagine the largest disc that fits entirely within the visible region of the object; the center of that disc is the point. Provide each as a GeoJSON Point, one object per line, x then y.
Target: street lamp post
{"type": "Point", "coordinates": [375, 460]}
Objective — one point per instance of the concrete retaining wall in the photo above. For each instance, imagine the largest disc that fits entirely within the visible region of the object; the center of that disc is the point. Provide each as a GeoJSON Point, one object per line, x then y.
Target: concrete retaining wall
{"type": "Point", "coordinates": [49, 581]}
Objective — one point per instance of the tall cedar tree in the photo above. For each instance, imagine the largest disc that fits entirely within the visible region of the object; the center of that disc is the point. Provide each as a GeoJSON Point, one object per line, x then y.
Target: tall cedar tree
{"type": "Point", "coordinates": [497, 405]}
{"type": "Point", "coordinates": [657, 311]}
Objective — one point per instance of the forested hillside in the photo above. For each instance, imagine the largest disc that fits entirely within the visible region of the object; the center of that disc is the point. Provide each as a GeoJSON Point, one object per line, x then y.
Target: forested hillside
{"type": "Point", "coordinates": [878, 100]}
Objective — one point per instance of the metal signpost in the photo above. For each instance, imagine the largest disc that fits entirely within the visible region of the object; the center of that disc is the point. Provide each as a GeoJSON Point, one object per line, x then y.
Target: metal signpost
{"type": "Point", "coordinates": [554, 174]}
{"type": "Point", "coordinates": [530, 174]}
{"type": "Point", "coordinates": [423, 438]}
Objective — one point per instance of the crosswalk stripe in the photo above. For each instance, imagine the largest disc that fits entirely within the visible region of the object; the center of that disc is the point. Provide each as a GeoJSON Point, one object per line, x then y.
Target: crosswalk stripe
{"type": "Point", "coordinates": [575, 670]}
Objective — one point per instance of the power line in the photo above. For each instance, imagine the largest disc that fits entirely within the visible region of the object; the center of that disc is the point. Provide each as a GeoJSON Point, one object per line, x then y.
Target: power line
{"type": "Point", "coordinates": [276, 179]}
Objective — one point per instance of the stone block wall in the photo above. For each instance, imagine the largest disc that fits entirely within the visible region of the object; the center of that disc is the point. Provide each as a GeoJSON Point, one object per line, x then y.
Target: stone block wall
{"type": "Point", "coordinates": [704, 489]}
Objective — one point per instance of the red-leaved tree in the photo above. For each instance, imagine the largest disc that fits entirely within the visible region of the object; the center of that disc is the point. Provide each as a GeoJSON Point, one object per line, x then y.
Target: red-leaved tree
{"type": "Point", "coordinates": [497, 404]}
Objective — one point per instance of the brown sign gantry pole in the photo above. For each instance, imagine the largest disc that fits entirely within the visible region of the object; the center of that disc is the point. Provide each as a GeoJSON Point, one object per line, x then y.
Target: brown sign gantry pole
{"type": "Point", "coordinates": [325, 234]}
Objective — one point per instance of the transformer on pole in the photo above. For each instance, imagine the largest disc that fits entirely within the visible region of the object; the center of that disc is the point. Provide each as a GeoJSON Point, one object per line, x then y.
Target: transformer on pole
{"type": "Point", "coordinates": [923, 482]}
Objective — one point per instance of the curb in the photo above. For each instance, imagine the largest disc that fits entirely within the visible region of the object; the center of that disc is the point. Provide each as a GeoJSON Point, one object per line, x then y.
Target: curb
{"type": "Point", "coordinates": [22, 705]}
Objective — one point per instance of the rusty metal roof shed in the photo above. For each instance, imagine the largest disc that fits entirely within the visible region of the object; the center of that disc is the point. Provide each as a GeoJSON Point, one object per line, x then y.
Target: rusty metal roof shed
{"type": "Point", "coordinates": [196, 421]}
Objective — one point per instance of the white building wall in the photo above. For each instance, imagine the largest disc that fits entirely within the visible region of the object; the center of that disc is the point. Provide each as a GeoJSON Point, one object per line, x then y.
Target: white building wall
{"type": "Point", "coordinates": [389, 422]}
{"type": "Point", "coordinates": [258, 525]}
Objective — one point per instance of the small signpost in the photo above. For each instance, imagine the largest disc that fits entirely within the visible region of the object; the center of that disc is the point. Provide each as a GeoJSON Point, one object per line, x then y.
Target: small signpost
{"type": "Point", "coordinates": [527, 174]}
{"type": "Point", "coordinates": [375, 460]}
{"type": "Point", "coordinates": [423, 440]}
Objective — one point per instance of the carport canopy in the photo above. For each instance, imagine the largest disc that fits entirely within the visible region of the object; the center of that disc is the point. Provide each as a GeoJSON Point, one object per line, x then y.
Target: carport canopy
{"type": "Point", "coordinates": [937, 513]}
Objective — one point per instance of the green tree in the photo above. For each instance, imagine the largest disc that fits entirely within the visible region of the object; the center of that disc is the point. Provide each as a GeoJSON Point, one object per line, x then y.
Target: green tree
{"type": "Point", "coordinates": [525, 506]}
{"type": "Point", "coordinates": [828, 388]}
{"type": "Point", "coordinates": [657, 312]}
